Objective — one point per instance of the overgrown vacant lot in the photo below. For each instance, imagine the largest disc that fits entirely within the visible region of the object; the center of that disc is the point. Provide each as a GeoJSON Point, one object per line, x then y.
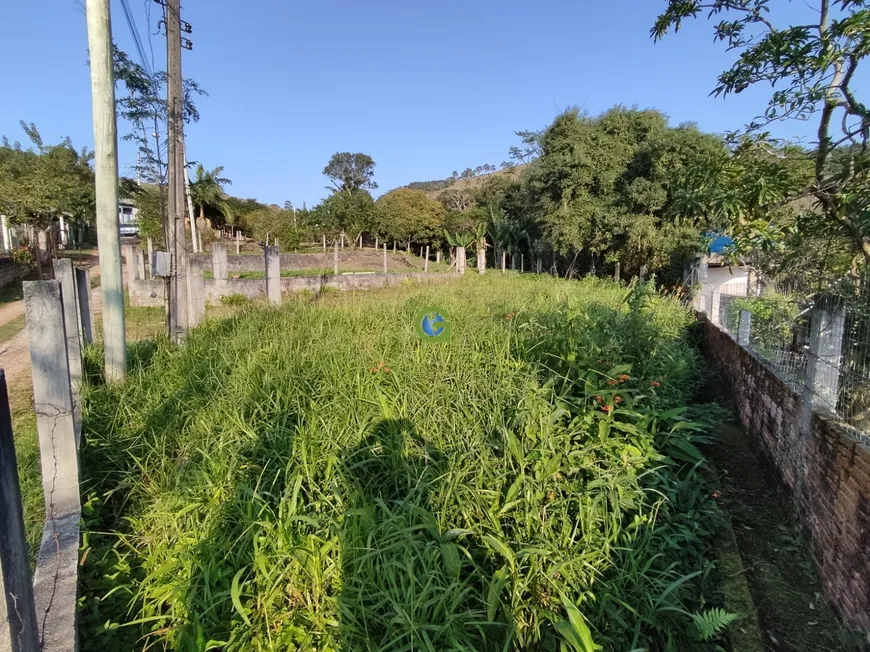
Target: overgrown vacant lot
{"type": "Point", "coordinates": [316, 477]}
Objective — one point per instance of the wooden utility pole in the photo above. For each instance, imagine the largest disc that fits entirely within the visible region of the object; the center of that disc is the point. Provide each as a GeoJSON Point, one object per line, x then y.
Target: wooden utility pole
{"type": "Point", "coordinates": [106, 187]}
{"type": "Point", "coordinates": [177, 239]}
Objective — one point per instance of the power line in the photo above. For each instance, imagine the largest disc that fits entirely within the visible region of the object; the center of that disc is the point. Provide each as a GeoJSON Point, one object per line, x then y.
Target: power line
{"type": "Point", "coordinates": [134, 31]}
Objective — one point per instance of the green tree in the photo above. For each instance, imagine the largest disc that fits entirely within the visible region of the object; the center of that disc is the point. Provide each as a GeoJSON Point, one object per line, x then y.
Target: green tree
{"type": "Point", "coordinates": [603, 190]}
{"type": "Point", "coordinates": [206, 189]}
{"type": "Point", "coordinates": [142, 105]}
{"type": "Point", "coordinates": [274, 222]}
{"type": "Point", "coordinates": [342, 214]}
{"type": "Point", "coordinates": [811, 69]}
{"type": "Point", "coordinates": [406, 215]}
{"type": "Point", "coordinates": [39, 185]}
{"type": "Point", "coordinates": [350, 173]}
{"type": "Point", "coordinates": [150, 202]}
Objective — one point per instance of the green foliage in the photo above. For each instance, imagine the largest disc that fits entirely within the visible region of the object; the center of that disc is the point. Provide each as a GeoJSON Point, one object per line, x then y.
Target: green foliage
{"type": "Point", "coordinates": [207, 190]}
{"type": "Point", "coordinates": [275, 223]}
{"type": "Point", "coordinates": [773, 318]}
{"type": "Point", "coordinates": [235, 299]}
{"type": "Point", "coordinates": [143, 107]}
{"type": "Point", "coordinates": [532, 484]}
{"type": "Point", "coordinates": [350, 173]}
{"type": "Point", "coordinates": [712, 623]}
{"type": "Point", "coordinates": [151, 202]}
{"type": "Point", "coordinates": [349, 213]}
{"type": "Point", "coordinates": [23, 256]}
{"type": "Point", "coordinates": [406, 215]}
{"type": "Point", "coordinates": [604, 188]}
{"type": "Point", "coordinates": [811, 69]}
{"type": "Point", "coordinates": [38, 185]}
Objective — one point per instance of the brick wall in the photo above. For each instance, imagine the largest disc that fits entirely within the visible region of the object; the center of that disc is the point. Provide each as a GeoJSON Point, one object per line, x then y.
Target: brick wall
{"type": "Point", "coordinates": [821, 467]}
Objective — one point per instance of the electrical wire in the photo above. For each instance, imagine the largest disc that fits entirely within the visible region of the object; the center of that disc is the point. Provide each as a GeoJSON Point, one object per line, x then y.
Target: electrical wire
{"type": "Point", "coordinates": [137, 41]}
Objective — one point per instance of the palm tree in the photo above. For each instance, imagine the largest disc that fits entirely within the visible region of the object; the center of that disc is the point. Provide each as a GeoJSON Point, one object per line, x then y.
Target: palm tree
{"type": "Point", "coordinates": [207, 188]}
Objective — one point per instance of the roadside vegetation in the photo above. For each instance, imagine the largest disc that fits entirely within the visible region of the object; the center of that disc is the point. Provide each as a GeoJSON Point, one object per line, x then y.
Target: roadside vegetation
{"type": "Point", "coordinates": [315, 477]}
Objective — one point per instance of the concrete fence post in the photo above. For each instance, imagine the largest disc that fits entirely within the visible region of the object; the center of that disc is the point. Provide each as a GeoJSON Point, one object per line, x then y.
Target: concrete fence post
{"type": "Point", "coordinates": [376, 243]}
{"type": "Point", "coordinates": [7, 240]}
{"type": "Point", "coordinates": [335, 258]}
{"type": "Point", "coordinates": [503, 261]}
{"type": "Point", "coordinates": [86, 309]}
{"type": "Point", "coordinates": [617, 272]}
{"type": "Point", "coordinates": [21, 633]}
{"type": "Point", "coordinates": [63, 272]}
{"type": "Point", "coordinates": [827, 326]}
{"type": "Point", "coordinates": [438, 256]}
{"type": "Point", "coordinates": [324, 243]}
{"type": "Point", "coordinates": [130, 271]}
{"type": "Point", "coordinates": [195, 292]}
{"type": "Point", "coordinates": [426, 261]}
{"type": "Point", "coordinates": [273, 276]}
{"type": "Point", "coordinates": [55, 581]}
{"type": "Point", "coordinates": [743, 328]}
{"type": "Point", "coordinates": [460, 260]}
{"type": "Point", "coordinates": [385, 258]}
{"type": "Point", "coordinates": [140, 263]}
{"type": "Point", "coordinates": [238, 242]}
{"type": "Point", "coordinates": [219, 260]}
{"type": "Point", "coordinates": [522, 263]}
{"type": "Point", "coordinates": [716, 306]}
{"type": "Point", "coordinates": [481, 260]}
{"type": "Point", "coordinates": [539, 265]}
{"type": "Point", "coordinates": [150, 256]}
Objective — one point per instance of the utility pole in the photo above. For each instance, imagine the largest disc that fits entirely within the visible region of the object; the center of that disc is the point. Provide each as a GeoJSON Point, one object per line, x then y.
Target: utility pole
{"type": "Point", "coordinates": [178, 245]}
{"type": "Point", "coordinates": [106, 178]}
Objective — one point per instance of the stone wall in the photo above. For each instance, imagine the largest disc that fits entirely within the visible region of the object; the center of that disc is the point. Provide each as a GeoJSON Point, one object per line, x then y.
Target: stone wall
{"type": "Point", "coordinates": [150, 293]}
{"type": "Point", "coordinates": [821, 466]}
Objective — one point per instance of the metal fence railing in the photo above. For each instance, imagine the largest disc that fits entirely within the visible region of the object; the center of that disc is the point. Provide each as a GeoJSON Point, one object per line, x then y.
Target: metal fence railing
{"type": "Point", "coordinates": [819, 346]}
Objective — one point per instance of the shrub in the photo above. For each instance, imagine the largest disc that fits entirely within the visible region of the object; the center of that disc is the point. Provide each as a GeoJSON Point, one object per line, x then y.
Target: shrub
{"type": "Point", "coordinates": [773, 318]}
{"type": "Point", "coordinates": [235, 299]}
{"type": "Point", "coordinates": [23, 256]}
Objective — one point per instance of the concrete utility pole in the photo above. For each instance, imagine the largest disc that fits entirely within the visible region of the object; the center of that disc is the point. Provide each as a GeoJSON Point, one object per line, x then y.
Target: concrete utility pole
{"type": "Point", "coordinates": [106, 173]}
{"type": "Point", "coordinates": [178, 278]}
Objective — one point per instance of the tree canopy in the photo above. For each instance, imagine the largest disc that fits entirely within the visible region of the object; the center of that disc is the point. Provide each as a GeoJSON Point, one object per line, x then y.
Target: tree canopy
{"type": "Point", "coordinates": [811, 70]}
{"type": "Point", "coordinates": [406, 215]}
{"type": "Point", "coordinates": [350, 173]}
{"type": "Point", "coordinates": [39, 184]}
{"type": "Point", "coordinates": [206, 189]}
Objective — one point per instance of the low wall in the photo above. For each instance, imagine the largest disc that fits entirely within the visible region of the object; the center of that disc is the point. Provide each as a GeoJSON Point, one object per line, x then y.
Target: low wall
{"type": "Point", "coordinates": [820, 464]}
{"type": "Point", "coordinates": [150, 293]}
{"type": "Point", "coordinates": [257, 262]}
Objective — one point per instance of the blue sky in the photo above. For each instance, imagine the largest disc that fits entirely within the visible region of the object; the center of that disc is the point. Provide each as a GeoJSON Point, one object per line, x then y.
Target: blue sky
{"type": "Point", "coordinates": [425, 88]}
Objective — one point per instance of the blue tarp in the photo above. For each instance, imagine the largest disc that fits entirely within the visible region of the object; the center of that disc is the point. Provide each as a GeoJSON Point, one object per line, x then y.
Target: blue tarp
{"type": "Point", "coordinates": [720, 244]}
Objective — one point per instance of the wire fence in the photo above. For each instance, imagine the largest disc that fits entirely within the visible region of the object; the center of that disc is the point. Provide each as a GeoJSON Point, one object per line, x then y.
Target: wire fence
{"type": "Point", "coordinates": [818, 345]}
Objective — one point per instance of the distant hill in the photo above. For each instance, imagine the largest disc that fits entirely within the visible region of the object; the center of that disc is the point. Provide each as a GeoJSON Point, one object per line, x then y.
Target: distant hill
{"type": "Point", "coordinates": [470, 184]}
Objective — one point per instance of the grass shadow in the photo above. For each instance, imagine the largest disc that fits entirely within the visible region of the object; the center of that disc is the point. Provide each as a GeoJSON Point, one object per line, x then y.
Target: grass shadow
{"type": "Point", "coordinates": [405, 584]}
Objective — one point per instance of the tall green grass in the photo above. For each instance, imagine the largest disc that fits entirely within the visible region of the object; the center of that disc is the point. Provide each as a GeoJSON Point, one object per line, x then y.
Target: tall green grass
{"type": "Point", "coordinates": [316, 477]}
